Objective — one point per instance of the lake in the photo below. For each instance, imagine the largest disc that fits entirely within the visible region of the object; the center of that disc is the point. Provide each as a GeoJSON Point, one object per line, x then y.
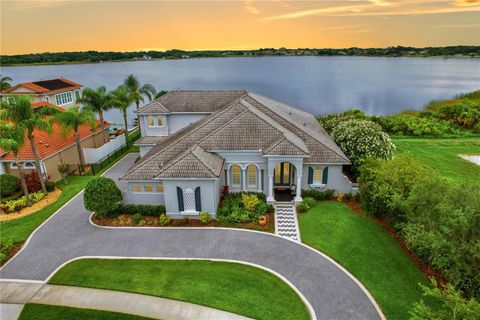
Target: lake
{"type": "Point", "coordinates": [318, 85]}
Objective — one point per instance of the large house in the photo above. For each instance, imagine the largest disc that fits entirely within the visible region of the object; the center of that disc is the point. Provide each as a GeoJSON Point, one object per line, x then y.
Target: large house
{"type": "Point", "coordinates": [196, 142]}
{"type": "Point", "coordinates": [61, 92]}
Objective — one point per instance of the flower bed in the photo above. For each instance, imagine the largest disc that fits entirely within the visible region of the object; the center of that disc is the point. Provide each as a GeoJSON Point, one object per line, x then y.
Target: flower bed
{"type": "Point", "coordinates": [243, 207]}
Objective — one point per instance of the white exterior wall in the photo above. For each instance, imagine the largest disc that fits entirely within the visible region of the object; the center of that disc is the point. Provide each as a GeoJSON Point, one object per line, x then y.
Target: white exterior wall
{"type": "Point", "coordinates": [147, 130]}
{"type": "Point", "coordinates": [144, 150]}
{"type": "Point", "coordinates": [177, 121]}
{"type": "Point", "coordinates": [336, 180]}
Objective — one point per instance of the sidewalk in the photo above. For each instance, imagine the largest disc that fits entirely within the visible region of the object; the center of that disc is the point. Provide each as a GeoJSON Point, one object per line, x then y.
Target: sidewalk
{"type": "Point", "coordinates": [108, 300]}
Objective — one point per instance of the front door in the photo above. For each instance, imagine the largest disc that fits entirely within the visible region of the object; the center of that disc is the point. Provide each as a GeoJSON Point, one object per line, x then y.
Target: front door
{"type": "Point", "coordinates": [282, 174]}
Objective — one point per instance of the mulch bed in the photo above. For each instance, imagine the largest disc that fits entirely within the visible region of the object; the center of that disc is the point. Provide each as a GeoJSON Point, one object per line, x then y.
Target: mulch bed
{"type": "Point", "coordinates": [13, 251]}
{"type": "Point", "coordinates": [424, 268]}
{"type": "Point", "coordinates": [125, 220]}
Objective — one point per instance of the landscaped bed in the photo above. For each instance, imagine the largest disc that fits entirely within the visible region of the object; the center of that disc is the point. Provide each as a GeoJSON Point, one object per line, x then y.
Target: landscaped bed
{"type": "Point", "coordinates": [232, 287]}
{"type": "Point", "coordinates": [35, 207]}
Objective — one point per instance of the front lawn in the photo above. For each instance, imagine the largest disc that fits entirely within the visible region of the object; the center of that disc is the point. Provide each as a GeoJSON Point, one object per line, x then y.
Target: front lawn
{"type": "Point", "coordinates": [47, 312]}
{"type": "Point", "coordinates": [442, 156]}
{"type": "Point", "coordinates": [368, 252]}
{"type": "Point", "coordinates": [232, 287]}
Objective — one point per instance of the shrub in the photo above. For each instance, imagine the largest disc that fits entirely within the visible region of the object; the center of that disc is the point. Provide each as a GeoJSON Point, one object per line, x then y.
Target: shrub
{"type": "Point", "coordinates": [50, 186]}
{"type": "Point", "coordinates": [9, 184]}
{"type": "Point", "coordinates": [137, 218]}
{"type": "Point", "coordinates": [348, 196]}
{"type": "Point", "coordinates": [414, 125]}
{"type": "Point", "coordinates": [5, 247]}
{"type": "Point", "coordinates": [163, 220]}
{"type": "Point", "coordinates": [317, 194]}
{"type": "Point", "coordinates": [21, 202]}
{"type": "Point", "coordinates": [309, 201]}
{"type": "Point", "coordinates": [270, 208]}
{"type": "Point", "coordinates": [33, 181]}
{"type": "Point", "coordinates": [102, 196]}
{"type": "Point", "coordinates": [205, 217]}
{"type": "Point", "coordinates": [303, 207]}
{"type": "Point", "coordinates": [250, 201]}
{"type": "Point", "coordinates": [142, 209]}
{"type": "Point", "coordinates": [261, 208]}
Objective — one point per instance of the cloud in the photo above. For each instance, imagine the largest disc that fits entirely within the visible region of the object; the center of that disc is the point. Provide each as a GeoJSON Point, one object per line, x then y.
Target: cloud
{"type": "Point", "coordinates": [250, 7]}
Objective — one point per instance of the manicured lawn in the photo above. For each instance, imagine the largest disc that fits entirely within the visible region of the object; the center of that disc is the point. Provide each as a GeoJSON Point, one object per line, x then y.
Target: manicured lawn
{"type": "Point", "coordinates": [47, 312]}
{"type": "Point", "coordinates": [442, 156]}
{"type": "Point", "coordinates": [368, 252]}
{"type": "Point", "coordinates": [232, 287]}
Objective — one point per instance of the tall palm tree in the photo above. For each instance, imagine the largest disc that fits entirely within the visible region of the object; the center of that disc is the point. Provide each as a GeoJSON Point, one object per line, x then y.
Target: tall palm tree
{"type": "Point", "coordinates": [11, 140]}
{"type": "Point", "coordinates": [4, 83]}
{"type": "Point", "coordinates": [98, 101]}
{"type": "Point", "coordinates": [122, 99]}
{"type": "Point", "coordinates": [138, 91]}
{"type": "Point", "coordinates": [18, 110]}
{"type": "Point", "coordinates": [72, 119]}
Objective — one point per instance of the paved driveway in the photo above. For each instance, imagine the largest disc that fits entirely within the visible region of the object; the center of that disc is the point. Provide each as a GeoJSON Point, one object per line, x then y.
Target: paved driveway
{"type": "Point", "coordinates": [68, 234]}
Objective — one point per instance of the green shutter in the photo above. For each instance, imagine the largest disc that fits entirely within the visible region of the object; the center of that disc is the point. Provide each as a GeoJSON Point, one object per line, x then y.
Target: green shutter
{"type": "Point", "coordinates": [198, 199]}
{"type": "Point", "coordinates": [180, 199]}
{"type": "Point", "coordinates": [310, 175]}
{"type": "Point", "coordinates": [325, 175]}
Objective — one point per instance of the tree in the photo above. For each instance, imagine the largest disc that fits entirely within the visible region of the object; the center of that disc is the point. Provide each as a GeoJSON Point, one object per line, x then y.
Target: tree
{"type": "Point", "coordinates": [361, 139]}
{"type": "Point", "coordinates": [18, 110]}
{"type": "Point", "coordinates": [72, 119]}
{"type": "Point", "coordinates": [138, 91]}
{"type": "Point", "coordinates": [102, 196]}
{"type": "Point", "coordinates": [98, 101]}
{"type": "Point", "coordinates": [122, 99]}
{"type": "Point", "coordinates": [11, 140]}
{"type": "Point", "coordinates": [4, 83]}
{"type": "Point", "coordinates": [160, 93]}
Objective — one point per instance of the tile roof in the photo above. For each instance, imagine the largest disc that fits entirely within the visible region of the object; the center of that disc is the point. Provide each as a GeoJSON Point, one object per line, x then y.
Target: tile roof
{"type": "Point", "coordinates": [48, 145]}
{"type": "Point", "coordinates": [45, 86]}
{"type": "Point", "coordinates": [192, 101]}
{"type": "Point", "coordinates": [149, 140]}
{"type": "Point", "coordinates": [250, 122]}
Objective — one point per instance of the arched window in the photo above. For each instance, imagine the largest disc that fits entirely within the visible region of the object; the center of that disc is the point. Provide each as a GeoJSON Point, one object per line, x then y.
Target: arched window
{"type": "Point", "coordinates": [252, 176]}
{"type": "Point", "coordinates": [236, 175]}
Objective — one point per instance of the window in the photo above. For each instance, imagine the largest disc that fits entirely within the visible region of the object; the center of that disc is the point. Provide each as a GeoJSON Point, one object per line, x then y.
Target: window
{"type": "Point", "coordinates": [64, 98]}
{"type": "Point", "coordinates": [148, 188]}
{"type": "Point", "coordinates": [150, 121]}
{"type": "Point", "coordinates": [137, 187]}
{"type": "Point", "coordinates": [159, 187]}
{"type": "Point", "coordinates": [317, 175]}
{"type": "Point", "coordinates": [160, 121]}
{"type": "Point", "coordinates": [252, 175]}
{"type": "Point", "coordinates": [47, 99]}
{"type": "Point", "coordinates": [236, 179]}
{"type": "Point", "coordinates": [26, 165]}
{"type": "Point", "coordinates": [77, 94]}
{"type": "Point", "coordinates": [282, 174]}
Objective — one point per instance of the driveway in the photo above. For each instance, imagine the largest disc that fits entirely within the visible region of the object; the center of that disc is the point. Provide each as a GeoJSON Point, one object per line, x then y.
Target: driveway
{"type": "Point", "coordinates": [68, 235]}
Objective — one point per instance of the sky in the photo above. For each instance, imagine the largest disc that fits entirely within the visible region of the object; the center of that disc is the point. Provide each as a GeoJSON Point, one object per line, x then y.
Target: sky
{"type": "Point", "coordinates": [54, 25]}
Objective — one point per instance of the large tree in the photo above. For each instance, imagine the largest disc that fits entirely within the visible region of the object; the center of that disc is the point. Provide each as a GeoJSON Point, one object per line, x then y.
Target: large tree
{"type": "Point", "coordinates": [12, 139]}
{"type": "Point", "coordinates": [138, 91]}
{"type": "Point", "coordinates": [122, 99]}
{"type": "Point", "coordinates": [72, 119]}
{"type": "Point", "coordinates": [5, 83]}
{"type": "Point", "coordinates": [98, 101]}
{"type": "Point", "coordinates": [18, 110]}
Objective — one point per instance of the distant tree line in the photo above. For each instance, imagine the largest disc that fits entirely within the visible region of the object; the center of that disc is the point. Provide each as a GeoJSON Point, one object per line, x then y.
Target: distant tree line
{"type": "Point", "coordinates": [96, 56]}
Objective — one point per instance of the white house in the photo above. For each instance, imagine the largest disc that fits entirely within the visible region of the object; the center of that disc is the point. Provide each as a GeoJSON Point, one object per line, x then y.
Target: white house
{"type": "Point", "coordinates": [195, 142]}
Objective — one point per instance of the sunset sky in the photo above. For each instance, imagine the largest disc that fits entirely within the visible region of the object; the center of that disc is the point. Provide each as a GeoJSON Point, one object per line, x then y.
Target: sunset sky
{"type": "Point", "coordinates": [51, 26]}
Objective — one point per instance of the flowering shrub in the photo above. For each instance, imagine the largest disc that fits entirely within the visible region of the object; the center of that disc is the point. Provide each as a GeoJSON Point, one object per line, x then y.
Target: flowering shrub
{"type": "Point", "coordinates": [20, 203]}
{"type": "Point", "coordinates": [33, 181]}
{"type": "Point", "coordinates": [361, 139]}
{"type": "Point", "coordinates": [205, 217]}
{"type": "Point", "coordinates": [250, 201]}
{"type": "Point", "coordinates": [163, 220]}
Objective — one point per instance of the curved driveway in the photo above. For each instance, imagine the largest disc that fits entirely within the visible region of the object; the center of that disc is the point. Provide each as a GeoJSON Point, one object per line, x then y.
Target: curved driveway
{"type": "Point", "coordinates": [69, 234]}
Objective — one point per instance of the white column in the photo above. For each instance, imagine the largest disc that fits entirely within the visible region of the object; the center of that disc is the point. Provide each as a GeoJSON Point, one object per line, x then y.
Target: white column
{"type": "Point", "coordinates": [244, 180]}
{"type": "Point", "coordinates": [259, 180]}
{"type": "Point", "coordinates": [298, 196]}
{"type": "Point", "coordinates": [229, 183]}
{"type": "Point", "coordinates": [270, 198]}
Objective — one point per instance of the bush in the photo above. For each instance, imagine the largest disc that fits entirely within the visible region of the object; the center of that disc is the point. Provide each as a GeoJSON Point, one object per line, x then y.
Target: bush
{"type": "Point", "coordinates": [317, 194]}
{"type": "Point", "coordinates": [411, 125]}
{"type": "Point", "coordinates": [309, 201]}
{"type": "Point", "coordinates": [33, 182]}
{"type": "Point", "coordinates": [137, 218]}
{"type": "Point", "coordinates": [348, 196]}
{"type": "Point", "coordinates": [205, 217]}
{"type": "Point", "coordinates": [261, 208]}
{"type": "Point", "coordinates": [303, 207]}
{"type": "Point", "coordinates": [102, 196]}
{"type": "Point", "coordinates": [163, 220]}
{"type": "Point", "coordinates": [9, 184]}
{"type": "Point", "coordinates": [20, 203]}
{"type": "Point", "coordinates": [362, 139]}
{"type": "Point", "coordinates": [270, 208]}
{"type": "Point", "coordinates": [50, 186]}
{"type": "Point", "coordinates": [5, 247]}
{"type": "Point", "coordinates": [250, 201]}
{"type": "Point", "coordinates": [142, 209]}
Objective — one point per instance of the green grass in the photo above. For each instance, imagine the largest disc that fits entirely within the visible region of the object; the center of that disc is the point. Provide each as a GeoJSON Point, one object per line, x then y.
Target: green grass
{"type": "Point", "coordinates": [368, 252]}
{"type": "Point", "coordinates": [232, 287]}
{"type": "Point", "coordinates": [47, 312]}
{"type": "Point", "coordinates": [442, 156]}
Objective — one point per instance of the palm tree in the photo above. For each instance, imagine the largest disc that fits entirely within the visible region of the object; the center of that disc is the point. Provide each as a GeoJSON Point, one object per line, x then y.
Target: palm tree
{"type": "Point", "coordinates": [160, 93]}
{"type": "Point", "coordinates": [11, 140]}
{"type": "Point", "coordinates": [138, 91]}
{"type": "Point", "coordinates": [72, 119]}
{"type": "Point", "coordinates": [98, 101]}
{"type": "Point", "coordinates": [122, 99]}
{"type": "Point", "coordinates": [4, 83]}
{"type": "Point", "coordinates": [18, 110]}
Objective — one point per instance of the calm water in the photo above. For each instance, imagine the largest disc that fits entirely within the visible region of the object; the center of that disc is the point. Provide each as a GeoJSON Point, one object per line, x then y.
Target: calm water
{"type": "Point", "coordinates": [315, 84]}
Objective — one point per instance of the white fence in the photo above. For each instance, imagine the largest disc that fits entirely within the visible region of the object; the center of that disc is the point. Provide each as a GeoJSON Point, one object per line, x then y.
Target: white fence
{"type": "Point", "coordinates": [94, 155]}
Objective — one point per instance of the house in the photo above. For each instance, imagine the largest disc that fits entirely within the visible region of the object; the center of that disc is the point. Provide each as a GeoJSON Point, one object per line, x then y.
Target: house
{"type": "Point", "coordinates": [195, 142]}
{"type": "Point", "coordinates": [61, 92]}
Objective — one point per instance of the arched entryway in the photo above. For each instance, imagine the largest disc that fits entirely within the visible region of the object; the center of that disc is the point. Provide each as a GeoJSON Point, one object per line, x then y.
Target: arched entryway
{"type": "Point", "coordinates": [284, 186]}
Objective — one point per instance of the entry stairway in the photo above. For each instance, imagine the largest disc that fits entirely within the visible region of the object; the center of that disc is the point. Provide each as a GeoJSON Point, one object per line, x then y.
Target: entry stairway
{"type": "Point", "coordinates": [286, 223]}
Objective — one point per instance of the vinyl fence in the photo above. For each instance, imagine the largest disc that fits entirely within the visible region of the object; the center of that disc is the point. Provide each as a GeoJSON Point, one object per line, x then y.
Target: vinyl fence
{"type": "Point", "coordinates": [96, 155]}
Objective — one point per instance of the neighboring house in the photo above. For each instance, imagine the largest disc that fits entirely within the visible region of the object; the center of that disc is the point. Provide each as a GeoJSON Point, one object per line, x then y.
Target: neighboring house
{"type": "Point", "coordinates": [195, 142]}
{"type": "Point", "coordinates": [53, 150]}
{"type": "Point", "coordinates": [61, 92]}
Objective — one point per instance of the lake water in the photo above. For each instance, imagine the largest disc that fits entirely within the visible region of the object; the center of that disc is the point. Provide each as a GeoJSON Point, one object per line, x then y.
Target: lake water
{"type": "Point", "coordinates": [314, 84]}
